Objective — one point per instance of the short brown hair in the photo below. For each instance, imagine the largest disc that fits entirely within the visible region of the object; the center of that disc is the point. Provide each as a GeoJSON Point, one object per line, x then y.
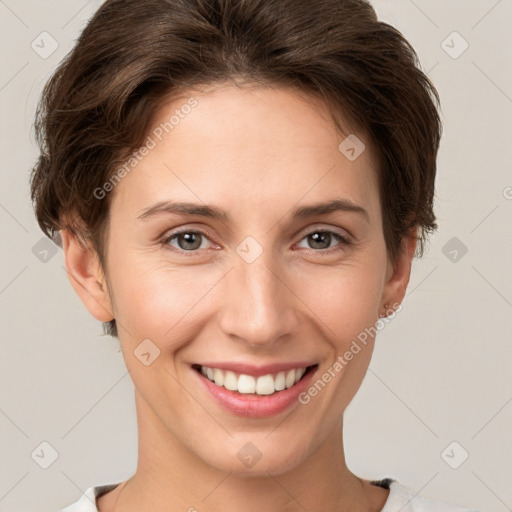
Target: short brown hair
{"type": "Point", "coordinates": [98, 105]}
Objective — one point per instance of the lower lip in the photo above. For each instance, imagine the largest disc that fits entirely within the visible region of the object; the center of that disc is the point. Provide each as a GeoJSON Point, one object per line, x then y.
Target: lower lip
{"type": "Point", "coordinates": [256, 406]}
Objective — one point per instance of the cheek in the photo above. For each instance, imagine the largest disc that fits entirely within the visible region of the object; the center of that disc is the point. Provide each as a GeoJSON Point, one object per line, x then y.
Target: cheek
{"type": "Point", "coordinates": [345, 299]}
{"type": "Point", "coordinates": [165, 303]}
{"type": "Point", "coordinates": [157, 301]}
{"type": "Point", "coordinates": [345, 305]}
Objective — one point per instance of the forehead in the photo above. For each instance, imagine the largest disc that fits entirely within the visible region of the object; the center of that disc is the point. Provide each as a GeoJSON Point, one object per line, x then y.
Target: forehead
{"type": "Point", "coordinates": [255, 146]}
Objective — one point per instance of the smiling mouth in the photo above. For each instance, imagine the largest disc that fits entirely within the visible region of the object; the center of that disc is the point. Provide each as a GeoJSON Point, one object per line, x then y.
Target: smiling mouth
{"type": "Point", "coordinates": [244, 384]}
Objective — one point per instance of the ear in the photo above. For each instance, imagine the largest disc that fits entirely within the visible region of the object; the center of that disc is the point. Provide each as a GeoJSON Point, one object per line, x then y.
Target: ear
{"type": "Point", "coordinates": [86, 276]}
{"type": "Point", "coordinates": [397, 276]}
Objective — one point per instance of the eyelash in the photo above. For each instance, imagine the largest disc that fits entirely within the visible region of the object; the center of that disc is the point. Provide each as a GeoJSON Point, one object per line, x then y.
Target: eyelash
{"type": "Point", "coordinates": [344, 241]}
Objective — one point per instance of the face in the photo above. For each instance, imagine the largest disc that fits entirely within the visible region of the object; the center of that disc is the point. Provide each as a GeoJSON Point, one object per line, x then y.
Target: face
{"type": "Point", "coordinates": [249, 278]}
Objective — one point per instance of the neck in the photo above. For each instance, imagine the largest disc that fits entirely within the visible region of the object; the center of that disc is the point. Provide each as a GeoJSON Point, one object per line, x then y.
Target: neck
{"type": "Point", "coordinates": [170, 476]}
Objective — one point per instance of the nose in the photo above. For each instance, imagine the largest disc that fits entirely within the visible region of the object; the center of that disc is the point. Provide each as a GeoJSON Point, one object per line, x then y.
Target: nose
{"type": "Point", "coordinates": [259, 304]}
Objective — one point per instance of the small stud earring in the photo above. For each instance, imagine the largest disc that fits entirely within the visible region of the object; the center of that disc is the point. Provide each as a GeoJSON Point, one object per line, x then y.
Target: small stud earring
{"type": "Point", "coordinates": [383, 315]}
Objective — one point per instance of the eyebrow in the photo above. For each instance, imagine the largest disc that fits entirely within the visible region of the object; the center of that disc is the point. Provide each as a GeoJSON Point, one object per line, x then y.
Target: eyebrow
{"type": "Point", "coordinates": [214, 212]}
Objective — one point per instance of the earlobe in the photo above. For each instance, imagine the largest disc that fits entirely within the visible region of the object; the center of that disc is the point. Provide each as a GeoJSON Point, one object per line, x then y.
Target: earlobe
{"type": "Point", "coordinates": [86, 276]}
{"type": "Point", "coordinates": [398, 276]}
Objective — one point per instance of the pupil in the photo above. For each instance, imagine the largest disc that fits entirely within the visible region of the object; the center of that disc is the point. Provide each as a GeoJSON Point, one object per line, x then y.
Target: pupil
{"type": "Point", "coordinates": [189, 239]}
{"type": "Point", "coordinates": [320, 238]}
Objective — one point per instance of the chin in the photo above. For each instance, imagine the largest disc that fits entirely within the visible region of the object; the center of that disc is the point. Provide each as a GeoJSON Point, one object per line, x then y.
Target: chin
{"type": "Point", "coordinates": [256, 458]}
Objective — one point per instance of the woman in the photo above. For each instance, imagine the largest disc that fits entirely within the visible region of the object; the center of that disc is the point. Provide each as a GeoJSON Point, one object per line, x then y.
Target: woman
{"type": "Point", "coordinates": [240, 188]}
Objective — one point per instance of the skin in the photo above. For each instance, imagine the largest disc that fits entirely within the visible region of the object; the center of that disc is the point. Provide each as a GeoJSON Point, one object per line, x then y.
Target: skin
{"type": "Point", "coordinates": [257, 153]}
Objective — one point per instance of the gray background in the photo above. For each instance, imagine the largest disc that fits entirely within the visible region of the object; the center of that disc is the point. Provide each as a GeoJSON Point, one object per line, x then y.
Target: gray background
{"type": "Point", "coordinates": [441, 369]}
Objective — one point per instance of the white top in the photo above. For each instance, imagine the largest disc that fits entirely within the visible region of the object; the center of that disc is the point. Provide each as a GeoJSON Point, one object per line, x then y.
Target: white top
{"type": "Point", "coordinates": [400, 499]}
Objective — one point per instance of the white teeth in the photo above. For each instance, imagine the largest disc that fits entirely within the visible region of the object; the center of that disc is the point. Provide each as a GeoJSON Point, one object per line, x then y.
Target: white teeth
{"type": "Point", "coordinates": [230, 381]}
{"type": "Point", "coordinates": [299, 373]}
{"type": "Point", "coordinates": [280, 381]}
{"type": "Point", "coordinates": [218, 376]}
{"type": "Point", "coordinates": [265, 385]}
{"type": "Point", "coordinates": [247, 384]}
{"type": "Point", "coordinates": [290, 379]}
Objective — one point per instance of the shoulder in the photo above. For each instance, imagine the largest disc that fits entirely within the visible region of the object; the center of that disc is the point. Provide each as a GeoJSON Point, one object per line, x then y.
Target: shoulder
{"type": "Point", "coordinates": [404, 499]}
{"type": "Point", "coordinates": [400, 499]}
{"type": "Point", "coordinates": [87, 502]}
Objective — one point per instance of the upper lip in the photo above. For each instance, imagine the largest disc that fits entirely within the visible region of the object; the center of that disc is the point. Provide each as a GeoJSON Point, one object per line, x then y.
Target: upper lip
{"type": "Point", "coordinates": [254, 370]}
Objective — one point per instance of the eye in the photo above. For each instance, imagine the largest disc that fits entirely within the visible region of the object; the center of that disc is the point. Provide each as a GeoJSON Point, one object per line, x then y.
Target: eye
{"type": "Point", "coordinates": [320, 240]}
{"type": "Point", "coordinates": [187, 240]}
{"type": "Point", "coordinates": [191, 241]}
